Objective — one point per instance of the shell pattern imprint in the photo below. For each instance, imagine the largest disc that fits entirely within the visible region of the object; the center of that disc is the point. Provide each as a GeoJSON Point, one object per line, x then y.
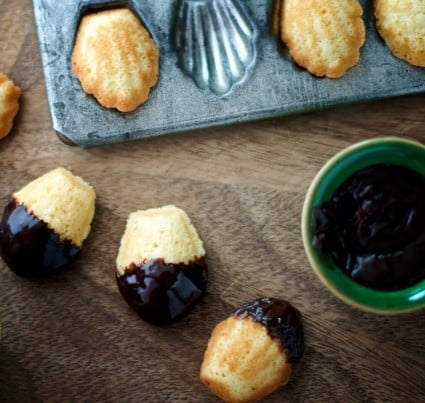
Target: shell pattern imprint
{"type": "Point", "coordinates": [215, 42]}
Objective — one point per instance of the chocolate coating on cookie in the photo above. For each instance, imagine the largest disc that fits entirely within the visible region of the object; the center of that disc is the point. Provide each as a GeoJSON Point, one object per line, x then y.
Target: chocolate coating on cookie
{"type": "Point", "coordinates": [281, 320]}
{"type": "Point", "coordinates": [29, 247]}
{"type": "Point", "coordinates": [161, 292]}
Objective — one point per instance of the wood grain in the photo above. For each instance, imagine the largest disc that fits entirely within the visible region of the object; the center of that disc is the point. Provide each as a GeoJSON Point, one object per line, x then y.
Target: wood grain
{"type": "Point", "coordinates": [73, 338]}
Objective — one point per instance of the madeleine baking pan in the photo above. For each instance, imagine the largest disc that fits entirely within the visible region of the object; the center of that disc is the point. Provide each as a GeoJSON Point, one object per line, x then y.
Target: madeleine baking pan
{"type": "Point", "coordinates": [219, 63]}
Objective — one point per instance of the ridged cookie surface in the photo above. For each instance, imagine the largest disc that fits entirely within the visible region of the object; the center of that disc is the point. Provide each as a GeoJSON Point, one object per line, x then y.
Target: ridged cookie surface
{"type": "Point", "coordinates": [64, 201]}
{"type": "Point", "coordinates": [9, 104]}
{"type": "Point", "coordinates": [165, 232]}
{"type": "Point", "coordinates": [115, 59]}
{"type": "Point", "coordinates": [324, 36]}
{"type": "Point", "coordinates": [242, 362]}
{"type": "Point", "coordinates": [253, 352]}
{"type": "Point", "coordinates": [401, 23]}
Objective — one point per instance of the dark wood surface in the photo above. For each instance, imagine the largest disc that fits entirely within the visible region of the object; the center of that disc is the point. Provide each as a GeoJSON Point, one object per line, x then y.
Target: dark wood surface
{"type": "Point", "coordinates": [73, 338]}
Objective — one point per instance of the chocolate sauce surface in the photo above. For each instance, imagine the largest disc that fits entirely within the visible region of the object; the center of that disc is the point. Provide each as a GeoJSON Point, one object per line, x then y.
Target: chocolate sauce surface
{"type": "Point", "coordinates": [162, 293]}
{"type": "Point", "coordinates": [282, 322]}
{"type": "Point", "coordinates": [29, 247]}
{"type": "Point", "coordinates": [374, 227]}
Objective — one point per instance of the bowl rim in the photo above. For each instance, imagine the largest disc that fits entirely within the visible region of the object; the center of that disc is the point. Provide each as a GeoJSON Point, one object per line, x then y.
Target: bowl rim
{"type": "Point", "coordinates": [385, 302]}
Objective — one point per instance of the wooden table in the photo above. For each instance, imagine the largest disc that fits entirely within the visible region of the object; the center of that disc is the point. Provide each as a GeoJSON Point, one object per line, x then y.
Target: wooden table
{"type": "Point", "coordinates": [73, 338]}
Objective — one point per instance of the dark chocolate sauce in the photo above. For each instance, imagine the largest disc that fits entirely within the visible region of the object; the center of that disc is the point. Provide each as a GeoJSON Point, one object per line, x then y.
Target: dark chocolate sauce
{"type": "Point", "coordinates": [282, 322]}
{"type": "Point", "coordinates": [28, 246]}
{"type": "Point", "coordinates": [162, 293]}
{"type": "Point", "coordinates": [374, 227]}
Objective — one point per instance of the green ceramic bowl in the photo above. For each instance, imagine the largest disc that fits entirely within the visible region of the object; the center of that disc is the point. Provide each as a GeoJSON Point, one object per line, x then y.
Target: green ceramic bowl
{"type": "Point", "coordinates": [391, 150]}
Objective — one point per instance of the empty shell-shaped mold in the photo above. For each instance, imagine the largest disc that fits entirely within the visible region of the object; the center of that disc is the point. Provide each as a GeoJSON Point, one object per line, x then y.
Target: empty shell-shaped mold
{"type": "Point", "coordinates": [215, 42]}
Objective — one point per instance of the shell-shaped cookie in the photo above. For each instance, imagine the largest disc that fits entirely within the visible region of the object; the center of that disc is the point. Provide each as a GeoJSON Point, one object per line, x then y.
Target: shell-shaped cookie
{"type": "Point", "coordinates": [45, 223]}
{"type": "Point", "coordinates": [161, 268]}
{"type": "Point", "coordinates": [253, 352]}
{"type": "Point", "coordinates": [402, 25]}
{"type": "Point", "coordinates": [323, 36]}
{"type": "Point", "coordinates": [115, 59]}
{"type": "Point", "coordinates": [215, 42]}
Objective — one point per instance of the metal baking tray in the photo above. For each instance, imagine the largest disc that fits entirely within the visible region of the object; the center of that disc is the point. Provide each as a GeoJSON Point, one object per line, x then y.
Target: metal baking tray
{"type": "Point", "coordinates": [220, 63]}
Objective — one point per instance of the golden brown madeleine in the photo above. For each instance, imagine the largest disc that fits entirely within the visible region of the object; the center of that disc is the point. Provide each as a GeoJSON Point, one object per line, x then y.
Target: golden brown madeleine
{"type": "Point", "coordinates": [324, 36]}
{"type": "Point", "coordinates": [115, 59]}
{"type": "Point", "coordinates": [253, 352]}
{"type": "Point", "coordinates": [9, 104]}
{"type": "Point", "coordinates": [402, 26]}
{"type": "Point", "coordinates": [45, 223]}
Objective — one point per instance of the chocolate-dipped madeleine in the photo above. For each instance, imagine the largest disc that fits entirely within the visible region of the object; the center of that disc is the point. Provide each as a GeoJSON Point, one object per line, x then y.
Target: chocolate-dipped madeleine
{"type": "Point", "coordinates": [253, 352]}
{"type": "Point", "coordinates": [161, 268]}
{"type": "Point", "coordinates": [45, 223]}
